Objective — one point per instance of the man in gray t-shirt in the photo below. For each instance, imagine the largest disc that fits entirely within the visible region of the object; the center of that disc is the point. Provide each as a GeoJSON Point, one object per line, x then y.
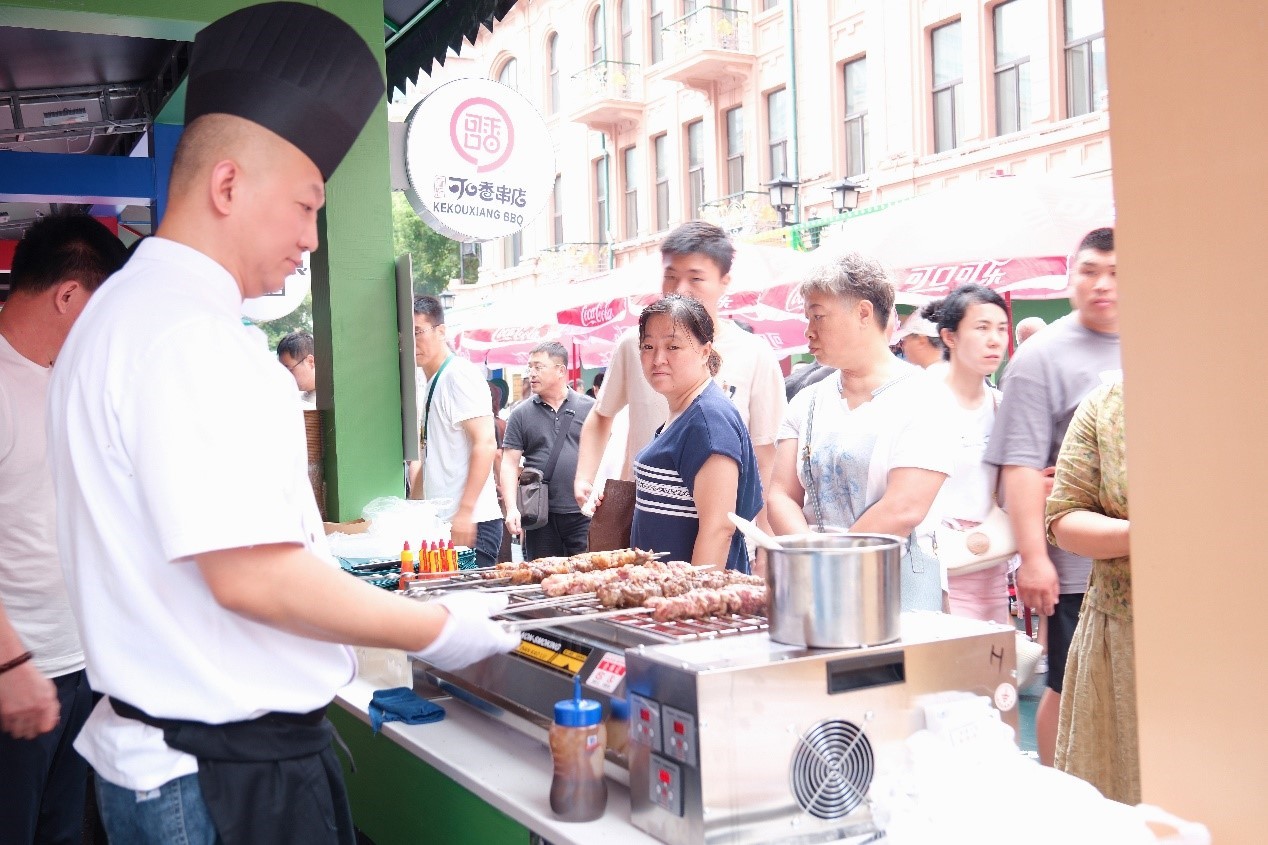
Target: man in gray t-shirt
{"type": "Point", "coordinates": [1043, 386]}
{"type": "Point", "coordinates": [554, 411]}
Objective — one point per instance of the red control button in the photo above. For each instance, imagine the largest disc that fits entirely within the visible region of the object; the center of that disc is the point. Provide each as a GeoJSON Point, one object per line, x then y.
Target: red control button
{"type": "Point", "coordinates": [678, 728]}
{"type": "Point", "coordinates": [663, 776]}
{"type": "Point", "coordinates": [645, 714]}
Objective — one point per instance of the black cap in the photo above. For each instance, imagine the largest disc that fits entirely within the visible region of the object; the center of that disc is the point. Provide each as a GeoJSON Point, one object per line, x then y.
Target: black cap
{"type": "Point", "coordinates": [294, 69]}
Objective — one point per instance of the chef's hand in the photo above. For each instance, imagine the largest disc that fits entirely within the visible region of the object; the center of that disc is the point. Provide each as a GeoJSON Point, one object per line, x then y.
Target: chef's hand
{"type": "Point", "coordinates": [513, 521]}
{"type": "Point", "coordinates": [28, 702]}
{"type": "Point", "coordinates": [469, 635]}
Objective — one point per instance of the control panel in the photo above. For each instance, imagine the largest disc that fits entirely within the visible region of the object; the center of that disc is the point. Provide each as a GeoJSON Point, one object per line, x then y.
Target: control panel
{"type": "Point", "coordinates": [679, 729]}
{"type": "Point", "coordinates": [645, 722]}
{"type": "Point", "coordinates": [665, 784]}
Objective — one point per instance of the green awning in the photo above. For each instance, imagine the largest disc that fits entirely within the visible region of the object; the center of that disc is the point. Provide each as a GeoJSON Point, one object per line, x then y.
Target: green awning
{"type": "Point", "coordinates": [420, 33]}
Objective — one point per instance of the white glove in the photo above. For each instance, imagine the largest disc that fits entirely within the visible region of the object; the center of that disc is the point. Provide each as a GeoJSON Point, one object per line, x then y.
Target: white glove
{"type": "Point", "coordinates": [469, 635]}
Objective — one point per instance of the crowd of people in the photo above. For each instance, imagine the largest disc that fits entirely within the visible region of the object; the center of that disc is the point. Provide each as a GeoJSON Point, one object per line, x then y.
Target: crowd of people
{"type": "Point", "coordinates": [184, 519]}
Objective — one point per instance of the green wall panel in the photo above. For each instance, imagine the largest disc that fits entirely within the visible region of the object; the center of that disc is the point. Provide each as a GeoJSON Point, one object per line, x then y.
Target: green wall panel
{"type": "Point", "coordinates": [354, 299]}
{"type": "Point", "coordinates": [398, 799]}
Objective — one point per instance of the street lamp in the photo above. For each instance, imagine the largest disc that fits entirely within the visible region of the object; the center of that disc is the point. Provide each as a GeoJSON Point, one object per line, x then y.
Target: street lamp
{"type": "Point", "coordinates": [845, 196]}
{"type": "Point", "coordinates": [447, 299]}
{"type": "Point", "coordinates": [783, 196]}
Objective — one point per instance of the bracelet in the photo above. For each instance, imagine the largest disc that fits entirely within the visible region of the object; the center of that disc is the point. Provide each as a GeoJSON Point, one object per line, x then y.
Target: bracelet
{"type": "Point", "coordinates": [15, 662]}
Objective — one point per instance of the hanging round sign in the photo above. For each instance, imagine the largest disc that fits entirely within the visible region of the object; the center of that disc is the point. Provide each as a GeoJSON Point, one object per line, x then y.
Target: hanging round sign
{"type": "Point", "coordinates": [273, 306]}
{"type": "Point", "coordinates": [479, 160]}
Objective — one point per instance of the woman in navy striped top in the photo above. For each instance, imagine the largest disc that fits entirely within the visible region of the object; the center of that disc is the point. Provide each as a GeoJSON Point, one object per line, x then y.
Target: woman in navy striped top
{"type": "Point", "coordinates": [700, 465]}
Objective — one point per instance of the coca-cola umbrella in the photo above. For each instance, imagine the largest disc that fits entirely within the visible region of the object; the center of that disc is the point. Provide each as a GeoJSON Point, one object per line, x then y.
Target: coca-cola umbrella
{"type": "Point", "coordinates": [503, 346]}
{"type": "Point", "coordinates": [1011, 233]}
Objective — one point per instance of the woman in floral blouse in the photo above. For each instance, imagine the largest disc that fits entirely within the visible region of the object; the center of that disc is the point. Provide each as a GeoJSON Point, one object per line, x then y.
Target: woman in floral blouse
{"type": "Point", "coordinates": [1087, 515]}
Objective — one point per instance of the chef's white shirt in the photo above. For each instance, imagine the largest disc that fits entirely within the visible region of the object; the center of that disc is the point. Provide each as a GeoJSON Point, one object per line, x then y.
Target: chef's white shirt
{"type": "Point", "coordinates": [171, 433]}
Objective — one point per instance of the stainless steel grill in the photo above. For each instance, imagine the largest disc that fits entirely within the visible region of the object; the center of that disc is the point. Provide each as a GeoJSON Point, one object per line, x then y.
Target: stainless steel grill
{"type": "Point", "coordinates": [641, 626]}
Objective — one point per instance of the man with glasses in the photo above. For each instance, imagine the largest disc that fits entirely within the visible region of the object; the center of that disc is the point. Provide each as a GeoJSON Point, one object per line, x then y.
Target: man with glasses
{"type": "Point", "coordinates": [533, 432]}
{"type": "Point", "coordinates": [295, 351]}
{"type": "Point", "coordinates": [457, 441]}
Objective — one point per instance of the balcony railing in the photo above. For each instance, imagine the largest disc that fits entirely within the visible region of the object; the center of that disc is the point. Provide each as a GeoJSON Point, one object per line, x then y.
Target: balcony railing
{"type": "Point", "coordinates": [573, 260]}
{"type": "Point", "coordinates": [745, 213]}
{"type": "Point", "coordinates": [709, 28]}
{"type": "Point", "coordinates": [607, 80]}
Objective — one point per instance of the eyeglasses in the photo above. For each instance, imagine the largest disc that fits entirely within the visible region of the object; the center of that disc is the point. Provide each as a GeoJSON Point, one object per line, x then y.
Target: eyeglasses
{"type": "Point", "coordinates": [420, 332]}
{"type": "Point", "coordinates": [538, 368]}
{"type": "Point", "coordinates": [292, 367]}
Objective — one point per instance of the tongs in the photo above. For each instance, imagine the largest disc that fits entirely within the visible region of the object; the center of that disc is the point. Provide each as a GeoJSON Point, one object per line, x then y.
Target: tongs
{"type": "Point", "coordinates": [517, 625]}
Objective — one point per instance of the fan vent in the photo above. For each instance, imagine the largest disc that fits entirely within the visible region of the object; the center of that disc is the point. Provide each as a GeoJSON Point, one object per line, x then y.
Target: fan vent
{"type": "Point", "coordinates": [832, 769]}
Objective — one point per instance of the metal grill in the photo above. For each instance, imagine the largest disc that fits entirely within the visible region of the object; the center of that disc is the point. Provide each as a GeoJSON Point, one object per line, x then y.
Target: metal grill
{"type": "Point", "coordinates": [644, 627]}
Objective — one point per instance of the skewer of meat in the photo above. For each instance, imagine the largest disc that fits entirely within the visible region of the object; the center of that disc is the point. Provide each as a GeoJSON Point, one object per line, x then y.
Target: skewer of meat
{"type": "Point", "coordinates": [636, 593]}
{"type": "Point", "coordinates": [746, 599]}
{"type": "Point", "coordinates": [534, 571]}
{"type": "Point", "coordinates": [572, 583]}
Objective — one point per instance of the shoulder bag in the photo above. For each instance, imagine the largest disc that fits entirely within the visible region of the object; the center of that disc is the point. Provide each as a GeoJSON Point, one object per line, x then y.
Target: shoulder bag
{"type": "Point", "coordinates": [965, 550]}
{"type": "Point", "coordinates": [532, 496]}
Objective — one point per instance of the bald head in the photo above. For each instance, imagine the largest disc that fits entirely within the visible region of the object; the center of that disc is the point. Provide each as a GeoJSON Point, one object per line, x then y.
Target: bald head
{"type": "Point", "coordinates": [213, 138]}
{"type": "Point", "coordinates": [1028, 327]}
{"type": "Point", "coordinates": [245, 197]}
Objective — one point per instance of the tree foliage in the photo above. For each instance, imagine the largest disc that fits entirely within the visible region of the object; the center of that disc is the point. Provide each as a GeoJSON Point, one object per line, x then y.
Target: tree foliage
{"type": "Point", "coordinates": [435, 256]}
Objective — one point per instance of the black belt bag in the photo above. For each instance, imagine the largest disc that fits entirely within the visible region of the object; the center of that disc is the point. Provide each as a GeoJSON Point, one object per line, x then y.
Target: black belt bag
{"type": "Point", "coordinates": [532, 496]}
{"type": "Point", "coordinates": [269, 780]}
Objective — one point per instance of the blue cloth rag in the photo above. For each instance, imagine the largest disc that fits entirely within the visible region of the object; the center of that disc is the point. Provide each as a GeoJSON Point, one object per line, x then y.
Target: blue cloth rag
{"type": "Point", "coordinates": [402, 704]}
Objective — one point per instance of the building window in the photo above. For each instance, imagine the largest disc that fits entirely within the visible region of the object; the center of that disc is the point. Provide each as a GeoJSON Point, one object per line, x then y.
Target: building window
{"type": "Point", "coordinates": [689, 7]}
{"type": "Point", "coordinates": [512, 245]}
{"type": "Point", "coordinates": [767, 5]}
{"type": "Point", "coordinates": [661, 163]}
{"type": "Point", "coordinates": [629, 180]}
{"type": "Point", "coordinates": [557, 210]}
{"type": "Point", "coordinates": [777, 131]}
{"type": "Point", "coordinates": [695, 168]}
{"type": "Point", "coordinates": [855, 74]}
{"type": "Point", "coordinates": [948, 79]}
{"type": "Point", "coordinates": [627, 32]}
{"type": "Point", "coordinates": [552, 57]}
{"type": "Point", "coordinates": [656, 23]}
{"type": "Point", "coordinates": [596, 37]}
{"type": "Point", "coordinates": [1017, 28]}
{"type": "Point", "coordinates": [601, 199]}
{"type": "Point", "coordinates": [1086, 86]}
{"type": "Point", "coordinates": [734, 150]}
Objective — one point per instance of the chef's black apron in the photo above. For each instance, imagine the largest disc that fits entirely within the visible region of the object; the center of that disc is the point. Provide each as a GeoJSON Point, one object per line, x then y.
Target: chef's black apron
{"type": "Point", "coordinates": [273, 780]}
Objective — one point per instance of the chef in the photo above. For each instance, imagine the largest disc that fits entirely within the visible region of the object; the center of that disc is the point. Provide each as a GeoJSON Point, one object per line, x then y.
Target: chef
{"type": "Point", "coordinates": [211, 612]}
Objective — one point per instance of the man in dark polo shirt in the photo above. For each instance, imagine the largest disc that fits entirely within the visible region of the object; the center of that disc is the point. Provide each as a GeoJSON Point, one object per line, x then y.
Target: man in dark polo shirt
{"type": "Point", "coordinates": [554, 411]}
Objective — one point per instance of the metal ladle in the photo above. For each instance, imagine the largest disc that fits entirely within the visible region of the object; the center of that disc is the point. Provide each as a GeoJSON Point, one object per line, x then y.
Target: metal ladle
{"type": "Point", "coordinates": [757, 535]}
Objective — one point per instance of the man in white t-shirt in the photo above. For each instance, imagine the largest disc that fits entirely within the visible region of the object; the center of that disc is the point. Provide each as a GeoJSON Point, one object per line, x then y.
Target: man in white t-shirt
{"type": "Point", "coordinates": [696, 258]}
{"type": "Point", "coordinates": [457, 439]}
{"type": "Point", "coordinates": [44, 692]}
{"type": "Point", "coordinates": [195, 557]}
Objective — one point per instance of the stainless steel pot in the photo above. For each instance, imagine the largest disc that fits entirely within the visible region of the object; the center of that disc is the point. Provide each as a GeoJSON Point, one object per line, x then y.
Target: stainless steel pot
{"type": "Point", "coordinates": [834, 590]}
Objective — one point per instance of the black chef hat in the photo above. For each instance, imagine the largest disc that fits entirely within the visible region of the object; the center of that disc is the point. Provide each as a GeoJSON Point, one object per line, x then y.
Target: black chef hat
{"type": "Point", "coordinates": [294, 69]}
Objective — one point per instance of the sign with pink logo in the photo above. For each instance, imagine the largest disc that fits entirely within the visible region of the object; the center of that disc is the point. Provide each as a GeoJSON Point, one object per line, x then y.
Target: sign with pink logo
{"type": "Point", "coordinates": [479, 160]}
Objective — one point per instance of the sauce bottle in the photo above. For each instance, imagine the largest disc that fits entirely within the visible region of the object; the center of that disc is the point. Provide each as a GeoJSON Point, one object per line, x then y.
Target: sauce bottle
{"type": "Point", "coordinates": [578, 792]}
{"type": "Point", "coordinates": [407, 567]}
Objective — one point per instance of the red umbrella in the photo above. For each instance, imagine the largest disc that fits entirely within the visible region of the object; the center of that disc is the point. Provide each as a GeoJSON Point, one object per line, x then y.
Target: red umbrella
{"type": "Point", "coordinates": [506, 346]}
{"type": "Point", "coordinates": [1011, 233]}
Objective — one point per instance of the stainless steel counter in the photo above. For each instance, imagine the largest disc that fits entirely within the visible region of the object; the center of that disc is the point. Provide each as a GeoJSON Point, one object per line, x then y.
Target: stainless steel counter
{"type": "Point", "coordinates": [502, 766]}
